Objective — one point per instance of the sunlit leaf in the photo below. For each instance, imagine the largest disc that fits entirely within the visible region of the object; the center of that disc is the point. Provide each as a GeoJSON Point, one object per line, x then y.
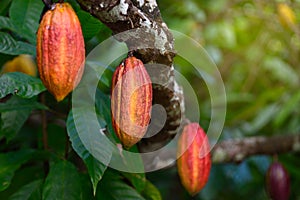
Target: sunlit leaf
{"type": "Point", "coordinates": [138, 180]}
{"type": "Point", "coordinates": [150, 192]}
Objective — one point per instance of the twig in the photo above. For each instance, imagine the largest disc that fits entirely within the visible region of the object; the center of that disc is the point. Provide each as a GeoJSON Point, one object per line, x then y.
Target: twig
{"type": "Point", "coordinates": [44, 131]}
{"type": "Point", "coordinates": [67, 144]}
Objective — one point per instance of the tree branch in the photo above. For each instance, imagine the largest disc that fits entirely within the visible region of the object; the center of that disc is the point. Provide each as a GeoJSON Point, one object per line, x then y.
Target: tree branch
{"type": "Point", "coordinates": [147, 28]}
{"type": "Point", "coordinates": [236, 150]}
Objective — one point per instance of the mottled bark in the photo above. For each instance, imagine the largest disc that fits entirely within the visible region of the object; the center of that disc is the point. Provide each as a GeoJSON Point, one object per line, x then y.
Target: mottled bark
{"type": "Point", "coordinates": [143, 18]}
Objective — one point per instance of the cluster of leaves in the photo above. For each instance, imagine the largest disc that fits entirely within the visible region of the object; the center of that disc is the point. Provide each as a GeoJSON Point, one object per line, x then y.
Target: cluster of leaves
{"type": "Point", "coordinates": [36, 159]}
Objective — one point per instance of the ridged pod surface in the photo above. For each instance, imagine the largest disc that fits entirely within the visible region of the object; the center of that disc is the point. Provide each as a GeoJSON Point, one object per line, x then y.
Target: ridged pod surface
{"type": "Point", "coordinates": [60, 50]}
{"type": "Point", "coordinates": [131, 101]}
{"type": "Point", "coordinates": [278, 182]}
{"type": "Point", "coordinates": [194, 162]}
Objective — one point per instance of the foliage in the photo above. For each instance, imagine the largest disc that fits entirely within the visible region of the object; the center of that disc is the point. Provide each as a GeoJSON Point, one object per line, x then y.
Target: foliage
{"type": "Point", "coordinates": [257, 56]}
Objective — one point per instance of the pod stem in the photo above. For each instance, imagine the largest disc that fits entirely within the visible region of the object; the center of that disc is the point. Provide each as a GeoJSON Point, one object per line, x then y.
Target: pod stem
{"type": "Point", "coordinates": [48, 3]}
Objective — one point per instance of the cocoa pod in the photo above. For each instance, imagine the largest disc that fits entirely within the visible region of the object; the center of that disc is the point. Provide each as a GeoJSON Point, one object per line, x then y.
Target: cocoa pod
{"type": "Point", "coordinates": [194, 161]}
{"type": "Point", "coordinates": [23, 63]}
{"type": "Point", "coordinates": [60, 50]}
{"type": "Point", "coordinates": [131, 101]}
{"type": "Point", "coordinates": [278, 182]}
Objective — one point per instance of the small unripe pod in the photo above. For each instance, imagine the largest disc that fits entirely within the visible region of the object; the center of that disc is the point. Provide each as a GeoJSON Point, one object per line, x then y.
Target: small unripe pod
{"type": "Point", "coordinates": [278, 182]}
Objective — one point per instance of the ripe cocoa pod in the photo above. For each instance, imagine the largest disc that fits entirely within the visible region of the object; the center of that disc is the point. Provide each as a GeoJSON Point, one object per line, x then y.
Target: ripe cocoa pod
{"type": "Point", "coordinates": [22, 63]}
{"type": "Point", "coordinates": [194, 162]}
{"type": "Point", "coordinates": [60, 50]}
{"type": "Point", "coordinates": [278, 182]}
{"type": "Point", "coordinates": [131, 101]}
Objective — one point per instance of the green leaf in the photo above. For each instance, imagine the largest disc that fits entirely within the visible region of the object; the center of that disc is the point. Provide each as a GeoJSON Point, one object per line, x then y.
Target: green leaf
{"type": "Point", "coordinates": [12, 121]}
{"type": "Point", "coordinates": [103, 111]}
{"type": "Point", "coordinates": [5, 23]}
{"type": "Point", "coordinates": [9, 46]}
{"type": "Point", "coordinates": [20, 84]}
{"type": "Point", "coordinates": [21, 104]}
{"type": "Point", "coordinates": [26, 48]}
{"type": "Point", "coordinates": [9, 163]}
{"type": "Point", "coordinates": [151, 192]}
{"type": "Point", "coordinates": [265, 115]}
{"type": "Point", "coordinates": [25, 15]}
{"type": "Point", "coordinates": [4, 6]}
{"type": "Point", "coordinates": [113, 188]}
{"type": "Point", "coordinates": [95, 168]}
{"type": "Point", "coordinates": [287, 109]}
{"type": "Point", "coordinates": [281, 70]}
{"type": "Point", "coordinates": [31, 191]}
{"type": "Point", "coordinates": [62, 182]}
{"type": "Point", "coordinates": [90, 25]}
{"type": "Point", "coordinates": [137, 180]}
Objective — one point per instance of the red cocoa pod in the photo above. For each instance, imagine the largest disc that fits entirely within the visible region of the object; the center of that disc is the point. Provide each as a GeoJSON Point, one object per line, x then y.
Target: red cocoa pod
{"type": "Point", "coordinates": [194, 162]}
{"type": "Point", "coordinates": [278, 182]}
{"type": "Point", "coordinates": [131, 101]}
{"type": "Point", "coordinates": [60, 50]}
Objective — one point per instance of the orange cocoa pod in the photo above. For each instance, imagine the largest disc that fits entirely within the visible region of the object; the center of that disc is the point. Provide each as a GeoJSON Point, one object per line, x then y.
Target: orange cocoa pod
{"type": "Point", "coordinates": [194, 160]}
{"type": "Point", "coordinates": [131, 101]}
{"type": "Point", "coordinates": [60, 50]}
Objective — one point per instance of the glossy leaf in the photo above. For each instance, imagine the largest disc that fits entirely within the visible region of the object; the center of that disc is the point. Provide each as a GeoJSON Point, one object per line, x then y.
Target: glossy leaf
{"type": "Point", "coordinates": [9, 45]}
{"type": "Point", "coordinates": [95, 168]}
{"type": "Point", "coordinates": [25, 15]}
{"type": "Point", "coordinates": [20, 84]}
{"type": "Point", "coordinates": [89, 24]}
{"type": "Point", "coordinates": [62, 182]}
